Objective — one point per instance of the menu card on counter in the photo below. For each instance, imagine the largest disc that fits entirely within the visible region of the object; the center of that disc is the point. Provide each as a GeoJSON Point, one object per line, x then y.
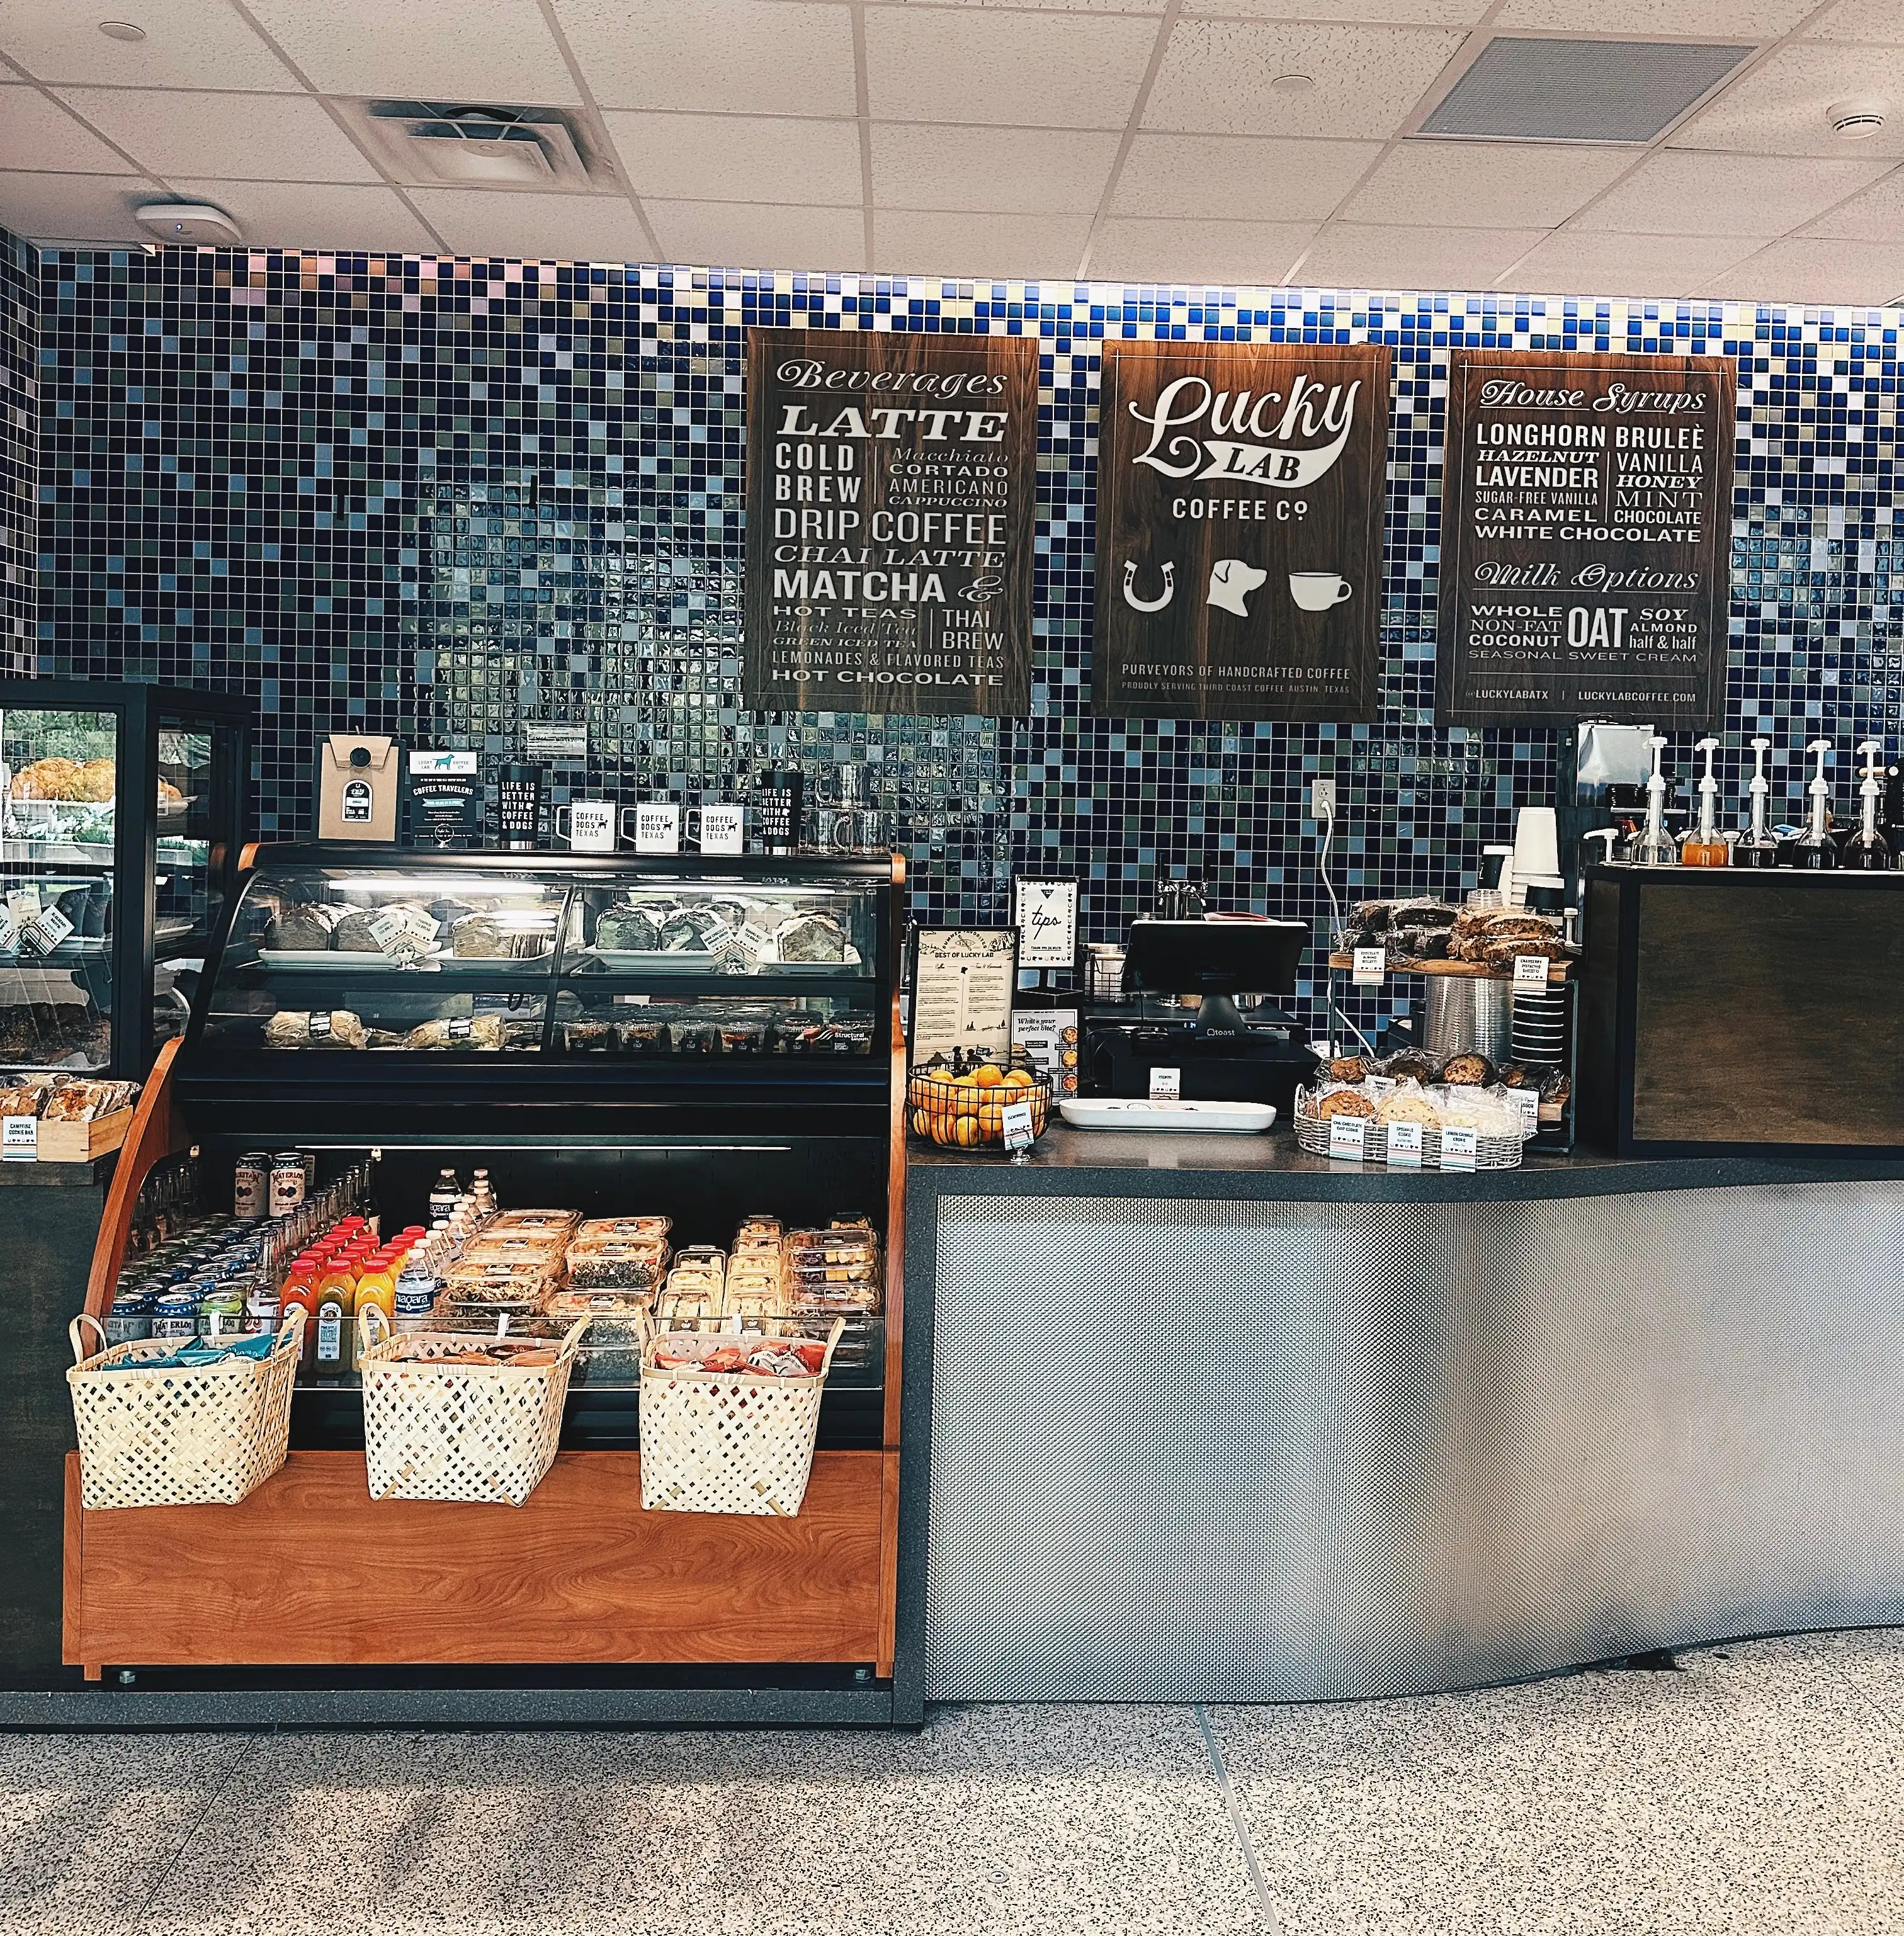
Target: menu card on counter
{"type": "Point", "coordinates": [1046, 914]}
{"type": "Point", "coordinates": [891, 519]}
{"type": "Point", "coordinates": [1049, 1036]}
{"type": "Point", "coordinates": [963, 980]}
{"type": "Point", "coordinates": [1586, 539]}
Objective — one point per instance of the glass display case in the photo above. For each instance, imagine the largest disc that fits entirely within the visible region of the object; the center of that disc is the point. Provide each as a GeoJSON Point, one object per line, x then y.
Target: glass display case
{"type": "Point", "coordinates": [123, 815]}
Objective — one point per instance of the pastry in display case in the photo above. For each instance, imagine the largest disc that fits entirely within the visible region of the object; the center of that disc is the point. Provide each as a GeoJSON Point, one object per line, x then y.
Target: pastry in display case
{"type": "Point", "coordinates": [122, 813]}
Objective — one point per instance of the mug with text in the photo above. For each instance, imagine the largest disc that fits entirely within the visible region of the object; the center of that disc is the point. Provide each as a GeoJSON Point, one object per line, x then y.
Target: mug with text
{"type": "Point", "coordinates": [718, 826]}
{"type": "Point", "coordinates": [591, 827]}
{"type": "Point", "coordinates": [654, 826]}
{"type": "Point", "coordinates": [1317, 591]}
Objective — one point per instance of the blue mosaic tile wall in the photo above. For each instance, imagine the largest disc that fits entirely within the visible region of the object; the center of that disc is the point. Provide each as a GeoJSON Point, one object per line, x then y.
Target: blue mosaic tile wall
{"type": "Point", "coordinates": [20, 324]}
{"type": "Point", "coordinates": [437, 497]}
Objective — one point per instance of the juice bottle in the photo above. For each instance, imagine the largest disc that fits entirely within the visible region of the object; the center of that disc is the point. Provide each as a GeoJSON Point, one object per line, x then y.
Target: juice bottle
{"type": "Point", "coordinates": [299, 1292]}
{"type": "Point", "coordinates": [376, 1286]}
{"type": "Point", "coordinates": [336, 1293]}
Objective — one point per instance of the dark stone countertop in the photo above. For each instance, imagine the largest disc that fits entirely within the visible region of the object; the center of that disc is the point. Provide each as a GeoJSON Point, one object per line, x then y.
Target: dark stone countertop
{"type": "Point", "coordinates": [1125, 1163]}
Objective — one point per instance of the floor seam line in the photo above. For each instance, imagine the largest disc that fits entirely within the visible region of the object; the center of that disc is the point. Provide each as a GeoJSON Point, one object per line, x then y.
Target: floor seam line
{"type": "Point", "coordinates": [230, 1775]}
{"type": "Point", "coordinates": [1239, 1824]}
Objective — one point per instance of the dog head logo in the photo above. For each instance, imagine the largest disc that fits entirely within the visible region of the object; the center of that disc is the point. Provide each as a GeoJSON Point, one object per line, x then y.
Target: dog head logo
{"type": "Point", "coordinates": [1231, 582]}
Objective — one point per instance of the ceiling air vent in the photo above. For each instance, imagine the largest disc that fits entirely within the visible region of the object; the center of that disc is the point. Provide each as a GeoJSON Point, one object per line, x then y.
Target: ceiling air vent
{"type": "Point", "coordinates": [469, 145]}
{"type": "Point", "coordinates": [1541, 90]}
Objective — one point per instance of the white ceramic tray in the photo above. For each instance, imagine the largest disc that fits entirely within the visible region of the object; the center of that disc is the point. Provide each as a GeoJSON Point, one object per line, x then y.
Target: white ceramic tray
{"type": "Point", "coordinates": [1111, 1112]}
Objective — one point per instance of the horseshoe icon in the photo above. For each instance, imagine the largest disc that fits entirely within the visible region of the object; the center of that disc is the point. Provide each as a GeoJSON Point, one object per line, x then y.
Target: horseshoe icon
{"type": "Point", "coordinates": [1156, 604]}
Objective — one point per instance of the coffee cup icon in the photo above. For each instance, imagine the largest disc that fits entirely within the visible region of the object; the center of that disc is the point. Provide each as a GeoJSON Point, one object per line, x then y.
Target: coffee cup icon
{"type": "Point", "coordinates": [1317, 591]}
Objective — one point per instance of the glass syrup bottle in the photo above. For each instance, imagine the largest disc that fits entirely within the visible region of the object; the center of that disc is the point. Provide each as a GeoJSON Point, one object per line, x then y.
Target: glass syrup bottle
{"type": "Point", "coordinates": [1654, 847]}
{"type": "Point", "coordinates": [1814, 850]}
{"type": "Point", "coordinates": [1758, 845]}
{"type": "Point", "coordinates": [1867, 849]}
{"type": "Point", "coordinates": [1706, 847]}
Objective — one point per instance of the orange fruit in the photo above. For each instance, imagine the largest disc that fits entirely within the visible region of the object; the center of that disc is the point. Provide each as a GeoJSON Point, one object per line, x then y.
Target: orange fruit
{"type": "Point", "coordinates": [988, 1075]}
{"type": "Point", "coordinates": [1019, 1079]}
{"type": "Point", "coordinates": [967, 1134]}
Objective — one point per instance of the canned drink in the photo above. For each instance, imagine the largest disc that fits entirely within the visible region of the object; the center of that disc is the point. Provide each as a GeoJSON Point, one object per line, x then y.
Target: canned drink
{"type": "Point", "coordinates": [221, 1314]}
{"type": "Point", "coordinates": [262, 1311]}
{"type": "Point", "coordinates": [251, 1185]}
{"type": "Point", "coordinates": [287, 1182]}
{"type": "Point", "coordinates": [129, 1320]}
{"type": "Point", "coordinates": [175, 1315]}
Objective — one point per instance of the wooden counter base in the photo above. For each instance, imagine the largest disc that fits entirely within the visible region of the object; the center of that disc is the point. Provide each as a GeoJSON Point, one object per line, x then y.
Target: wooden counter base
{"type": "Point", "coordinates": [310, 1570]}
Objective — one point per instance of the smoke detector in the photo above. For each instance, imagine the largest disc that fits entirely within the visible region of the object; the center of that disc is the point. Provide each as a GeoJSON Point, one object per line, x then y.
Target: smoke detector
{"type": "Point", "coordinates": [1859, 118]}
{"type": "Point", "coordinates": [476, 145]}
{"type": "Point", "coordinates": [187, 222]}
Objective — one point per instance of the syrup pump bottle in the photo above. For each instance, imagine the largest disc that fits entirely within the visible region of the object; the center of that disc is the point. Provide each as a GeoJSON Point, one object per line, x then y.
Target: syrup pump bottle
{"type": "Point", "coordinates": [1654, 849]}
{"type": "Point", "coordinates": [1814, 849]}
{"type": "Point", "coordinates": [1706, 847]}
{"type": "Point", "coordinates": [1758, 845]}
{"type": "Point", "coordinates": [1867, 849]}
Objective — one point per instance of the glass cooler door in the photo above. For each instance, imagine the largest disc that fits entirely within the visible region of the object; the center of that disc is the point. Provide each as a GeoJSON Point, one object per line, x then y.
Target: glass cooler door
{"type": "Point", "coordinates": [198, 792]}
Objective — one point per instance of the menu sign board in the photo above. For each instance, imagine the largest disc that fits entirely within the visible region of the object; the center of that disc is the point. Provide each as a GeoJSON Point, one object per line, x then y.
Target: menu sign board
{"type": "Point", "coordinates": [962, 982]}
{"type": "Point", "coordinates": [1240, 503]}
{"type": "Point", "coordinates": [890, 508]}
{"type": "Point", "coordinates": [1586, 539]}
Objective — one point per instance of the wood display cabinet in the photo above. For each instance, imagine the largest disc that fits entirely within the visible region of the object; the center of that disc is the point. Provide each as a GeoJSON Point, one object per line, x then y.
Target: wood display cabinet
{"type": "Point", "coordinates": [707, 1038]}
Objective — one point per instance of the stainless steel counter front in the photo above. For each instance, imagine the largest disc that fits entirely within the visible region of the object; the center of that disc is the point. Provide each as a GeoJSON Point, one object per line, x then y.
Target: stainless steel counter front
{"type": "Point", "coordinates": [1232, 1423]}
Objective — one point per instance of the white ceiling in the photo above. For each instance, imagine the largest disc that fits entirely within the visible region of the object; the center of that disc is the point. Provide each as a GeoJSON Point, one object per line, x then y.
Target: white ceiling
{"type": "Point", "coordinates": [1137, 140]}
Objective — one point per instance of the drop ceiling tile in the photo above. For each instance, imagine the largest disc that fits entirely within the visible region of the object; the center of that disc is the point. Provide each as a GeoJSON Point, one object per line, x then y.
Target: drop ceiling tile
{"type": "Point", "coordinates": [1684, 191]}
{"type": "Point", "coordinates": [1577, 262]}
{"type": "Point", "coordinates": [1349, 256]}
{"type": "Point", "coordinates": [498, 50]}
{"type": "Point", "coordinates": [188, 43]}
{"type": "Point", "coordinates": [1045, 70]}
{"type": "Point", "coordinates": [1215, 78]}
{"type": "Point", "coordinates": [753, 236]}
{"type": "Point", "coordinates": [1022, 170]}
{"type": "Point", "coordinates": [1876, 216]}
{"type": "Point", "coordinates": [1230, 177]}
{"type": "Point", "coordinates": [1484, 184]}
{"type": "Point", "coordinates": [1357, 13]}
{"type": "Point", "coordinates": [1796, 270]}
{"type": "Point", "coordinates": [37, 133]}
{"type": "Point", "coordinates": [255, 136]}
{"type": "Point", "coordinates": [296, 215]}
{"type": "Point", "coordinates": [1151, 248]}
{"type": "Point", "coordinates": [1608, 19]}
{"type": "Point", "coordinates": [1880, 20]}
{"type": "Point", "coordinates": [715, 56]}
{"type": "Point", "coordinates": [537, 227]}
{"type": "Point", "coordinates": [1045, 248]}
{"type": "Point", "coordinates": [739, 158]}
{"type": "Point", "coordinates": [1779, 107]}
{"type": "Point", "coordinates": [72, 208]}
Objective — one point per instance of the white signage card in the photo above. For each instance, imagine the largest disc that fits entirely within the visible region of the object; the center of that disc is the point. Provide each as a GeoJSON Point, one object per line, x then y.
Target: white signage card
{"type": "Point", "coordinates": [1405, 1145]}
{"type": "Point", "coordinates": [1166, 1084]}
{"type": "Point", "coordinates": [1460, 1148]}
{"type": "Point", "coordinates": [1530, 971]}
{"type": "Point", "coordinates": [444, 760]}
{"type": "Point", "coordinates": [657, 827]}
{"type": "Point", "coordinates": [1016, 1118]}
{"type": "Point", "coordinates": [46, 930]}
{"type": "Point", "coordinates": [1348, 1137]}
{"type": "Point", "coordinates": [962, 984]}
{"type": "Point", "coordinates": [1371, 965]}
{"type": "Point", "coordinates": [1049, 1036]}
{"type": "Point", "coordinates": [19, 1139]}
{"type": "Point", "coordinates": [1527, 1101]}
{"type": "Point", "coordinates": [554, 739]}
{"type": "Point", "coordinates": [1046, 914]}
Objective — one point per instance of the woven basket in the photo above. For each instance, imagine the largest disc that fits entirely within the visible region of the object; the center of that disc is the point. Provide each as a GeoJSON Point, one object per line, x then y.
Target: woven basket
{"type": "Point", "coordinates": [206, 1437]}
{"type": "Point", "coordinates": [720, 1442]}
{"type": "Point", "coordinates": [481, 1433]}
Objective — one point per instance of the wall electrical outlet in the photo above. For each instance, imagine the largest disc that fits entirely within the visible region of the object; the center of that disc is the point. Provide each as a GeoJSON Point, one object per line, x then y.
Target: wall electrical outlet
{"type": "Point", "coordinates": [1322, 800]}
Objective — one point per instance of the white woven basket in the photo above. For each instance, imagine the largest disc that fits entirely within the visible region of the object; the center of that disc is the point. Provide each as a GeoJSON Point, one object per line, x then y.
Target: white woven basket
{"type": "Point", "coordinates": [206, 1437]}
{"type": "Point", "coordinates": [720, 1442]}
{"type": "Point", "coordinates": [481, 1433]}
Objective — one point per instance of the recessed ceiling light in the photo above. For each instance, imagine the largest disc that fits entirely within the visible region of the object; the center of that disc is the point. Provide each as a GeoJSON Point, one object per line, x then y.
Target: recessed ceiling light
{"type": "Point", "coordinates": [121, 30]}
{"type": "Point", "coordinates": [1291, 83]}
{"type": "Point", "coordinates": [1859, 118]}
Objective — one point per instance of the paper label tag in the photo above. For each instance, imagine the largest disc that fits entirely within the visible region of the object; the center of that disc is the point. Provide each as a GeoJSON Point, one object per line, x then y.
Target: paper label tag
{"type": "Point", "coordinates": [1378, 1086]}
{"type": "Point", "coordinates": [46, 931]}
{"type": "Point", "coordinates": [9, 935]}
{"type": "Point", "coordinates": [723, 829]}
{"type": "Point", "coordinates": [1371, 966]}
{"type": "Point", "coordinates": [1530, 971]}
{"type": "Point", "coordinates": [458, 1029]}
{"type": "Point", "coordinates": [657, 827]}
{"type": "Point", "coordinates": [19, 1139]}
{"type": "Point", "coordinates": [1460, 1148]}
{"type": "Point", "coordinates": [1166, 1084]}
{"type": "Point", "coordinates": [1349, 1136]}
{"type": "Point", "coordinates": [554, 739]}
{"type": "Point", "coordinates": [439, 760]}
{"type": "Point", "coordinates": [1527, 1101]}
{"type": "Point", "coordinates": [1405, 1145]}
{"type": "Point", "coordinates": [1016, 1118]}
{"type": "Point", "coordinates": [388, 928]}
{"type": "Point", "coordinates": [320, 1028]}
{"type": "Point", "coordinates": [22, 903]}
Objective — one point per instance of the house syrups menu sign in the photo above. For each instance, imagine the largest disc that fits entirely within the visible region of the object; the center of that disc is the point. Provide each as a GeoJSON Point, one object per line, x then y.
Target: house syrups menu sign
{"type": "Point", "coordinates": [1586, 539]}
{"type": "Point", "coordinates": [1238, 548]}
{"type": "Point", "coordinates": [889, 495]}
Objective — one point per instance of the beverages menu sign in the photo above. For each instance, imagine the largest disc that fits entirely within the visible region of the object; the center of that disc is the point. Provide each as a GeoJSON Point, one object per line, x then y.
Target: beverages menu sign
{"type": "Point", "coordinates": [890, 482]}
{"type": "Point", "coordinates": [1240, 502]}
{"type": "Point", "coordinates": [1586, 539]}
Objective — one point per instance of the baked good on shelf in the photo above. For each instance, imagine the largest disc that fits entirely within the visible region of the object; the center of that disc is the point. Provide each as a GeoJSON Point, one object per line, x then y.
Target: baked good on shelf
{"type": "Point", "coordinates": [334, 1028]}
{"type": "Point", "coordinates": [625, 929]}
{"type": "Point", "coordinates": [1411, 1065]}
{"type": "Point", "coordinates": [1470, 1070]}
{"type": "Point", "coordinates": [1343, 1103]}
{"type": "Point", "coordinates": [302, 925]}
{"type": "Point", "coordinates": [1348, 1069]}
{"type": "Point", "coordinates": [1409, 1104]}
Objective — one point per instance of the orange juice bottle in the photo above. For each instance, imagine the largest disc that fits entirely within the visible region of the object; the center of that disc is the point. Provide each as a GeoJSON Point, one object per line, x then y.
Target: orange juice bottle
{"type": "Point", "coordinates": [376, 1286]}
{"type": "Point", "coordinates": [299, 1292]}
{"type": "Point", "coordinates": [336, 1296]}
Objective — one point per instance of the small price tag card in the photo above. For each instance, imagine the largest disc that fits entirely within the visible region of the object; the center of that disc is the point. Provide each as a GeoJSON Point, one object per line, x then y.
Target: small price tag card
{"type": "Point", "coordinates": [1017, 1120]}
{"type": "Point", "coordinates": [1166, 1084]}
{"type": "Point", "coordinates": [1348, 1137]}
{"type": "Point", "coordinates": [1371, 966]}
{"type": "Point", "coordinates": [19, 1139]}
{"type": "Point", "coordinates": [1461, 1149]}
{"type": "Point", "coordinates": [46, 930]}
{"type": "Point", "coordinates": [1527, 1101]}
{"type": "Point", "coordinates": [9, 935]}
{"type": "Point", "coordinates": [1530, 971]}
{"type": "Point", "coordinates": [1378, 1086]}
{"type": "Point", "coordinates": [1405, 1145]}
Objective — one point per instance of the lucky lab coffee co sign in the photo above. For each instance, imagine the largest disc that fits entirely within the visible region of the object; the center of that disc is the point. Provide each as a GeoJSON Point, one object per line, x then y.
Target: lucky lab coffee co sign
{"type": "Point", "coordinates": [1587, 538]}
{"type": "Point", "coordinates": [890, 481]}
{"type": "Point", "coordinates": [1238, 550]}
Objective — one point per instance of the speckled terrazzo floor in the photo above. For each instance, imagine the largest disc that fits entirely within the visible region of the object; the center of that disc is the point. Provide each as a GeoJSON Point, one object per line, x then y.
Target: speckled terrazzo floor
{"type": "Point", "coordinates": [1760, 1788]}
